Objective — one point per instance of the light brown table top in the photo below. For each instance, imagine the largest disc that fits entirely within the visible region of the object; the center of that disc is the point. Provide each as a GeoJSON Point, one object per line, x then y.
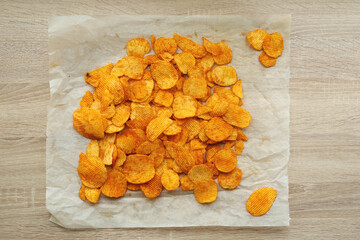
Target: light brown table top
{"type": "Point", "coordinates": [324, 168]}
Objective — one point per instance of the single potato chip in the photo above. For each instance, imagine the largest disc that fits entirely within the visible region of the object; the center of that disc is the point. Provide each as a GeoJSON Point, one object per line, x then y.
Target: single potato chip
{"type": "Point", "coordinates": [237, 116]}
{"type": "Point", "coordinates": [212, 48]}
{"type": "Point", "coordinates": [261, 201]}
{"type": "Point", "coordinates": [205, 191]}
{"type": "Point", "coordinates": [171, 164]}
{"type": "Point", "coordinates": [217, 129]}
{"type": "Point", "coordinates": [170, 180]}
{"type": "Point", "coordinates": [89, 123]}
{"type": "Point", "coordinates": [130, 139]}
{"type": "Point", "coordinates": [93, 148]}
{"type": "Point", "coordinates": [200, 172]}
{"type": "Point", "coordinates": [211, 152]}
{"type": "Point", "coordinates": [150, 59]}
{"type": "Point", "coordinates": [93, 77]}
{"type": "Point", "coordinates": [92, 194]}
{"type": "Point", "coordinates": [122, 114]}
{"type": "Point", "coordinates": [207, 62]}
{"type": "Point", "coordinates": [230, 180]}
{"type": "Point", "coordinates": [196, 144]}
{"type": "Point", "coordinates": [186, 184]}
{"type": "Point", "coordinates": [113, 129]}
{"type": "Point", "coordinates": [184, 106]}
{"type": "Point", "coordinates": [188, 45]}
{"type": "Point", "coordinates": [157, 126]}
{"type": "Point", "coordinates": [198, 155]}
{"type": "Point", "coordinates": [164, 98]}
{"type": "Point", "coordinates": [225, 160]}
{"type": "Point", "coordinates": [239, 147]}
{"type": "Point", "coordinates": [82, 192]}
{"type": "Point", "coordinates": [87, 100]}
{"type": "Point", "coordinates": [141, 115]}
{"type": "Point", "coordinates": [256, 38]}
{"type": "Point", "coordinates": [182, 156]}
{"type": "Point", "coordinates": [224, 75]}
{"type": "Point", "coordinates": [165, 45]}
{"type": "Point", "coordinates": [152, 188]}
{"type": "Point", "coordinates": [237, 89]}
{"type": "Point", "coordinates": [173, 129]}
{"type": "Point", "coordinates": [114, 86]}
{"type": "Point", "coordinates": [228, 95]}
{"type": "Point", "coordinates": [134, 187]}
{"type": "Point", "coordinates": [241, 135]}
{"type": "Point", "coordinates": [225, 56]}
{"type": "Point", "coordinates": [115, 185]}
{"type": "Point", "coordinates": [193, 126]}
{"type": "Point", "coordinates": [266, 60]}
{"type": "Point", "coordinates": [195, 87]}
{"type": "Point", "coordinates": [184, 61]}
{"type": "Point", "coordinates": [131, 66]}
{"type": "Point", "coordinates": [165, 74]}
{"type": "Point", "coordinates": [137, 47]}
{"type": "Point", "coordinates": [92, 171]}
{"type": "Point", "coordinates": [214, 170]}
{"type": "Point", "coordinates": [139, 168]}
{"type": "Point", "coordinates": [141, 90]}
{"type": "Point", "coordinates": [273, 45]}
{"type": "Point", "coordinates": [120, 159]}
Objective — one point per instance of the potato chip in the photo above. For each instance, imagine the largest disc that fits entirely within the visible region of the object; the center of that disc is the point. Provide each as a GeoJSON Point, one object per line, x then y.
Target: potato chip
{"type": "Point", "coordinates": [266, 60]}
{"type": "Point", "coordinates": [196, 71]}
{"type": "Point", "coordinates": [228, 95]}
{"type": "Point", "coordinates": [122, 114]}
{"type": "Point", "coordinates": [115, 87]}
{"type": "Point", "coordinates": [157, 126]}
{"type": "Point", "coordinates": [93, 148]}
{"type": "Point", "coordinates": [150, 59]}
{"type": "Point", "coordinates": [170, 180]}
{"type": "Point", "coordinates": [141, 115]}
{"type": "Point", "coordinates": [225, 160]}
{"type": "Point", "coordinates": [213, 169]}
{"type": "Point", "coordinates": [165, 74]}
{"type": "Point", "coordinates": [109, 112]}
{"type": "Point", "coordinates": [124, 81]}
{"type": "Point", "coordinates": [239, 147]}
{"type": "Point", "coordinates": [186, 184]}
{"type": "Point", "coordinates": [182, 157]}
{"type": "Point", "coordinates": [256, 38]}
{"type": "Point", "coordinates": [218, 130]}
{"type": "Point", "coordinates": [115, 185]}
{"type": "Point", "coordinates": [82, 192]}
{"type": "Point", "coordinates": [202, 134]}
{"type": "Point", "coordinates": [241, 136]}
{"type": "Point", "coordinates": [212, 48]}
{"type": "Point", "coordinates": [273, 45]}
{"type": "Point", "coordinates": [261, 201]}
{"type": "Point", "coordinates": [171, 164]}
{"type": "Point", "coordinates": [224, 75]}
{"type": "Point", "coordinates": [130, 139]}
{"type": "Point", "coordinates": [164, 111]}
{"type": "Point", "coordinates": [152, 188]}
{"type": "Point", "coordinates": [207, 62]}
{"type": "Point", "coordinates": [237, 116]}
{"type": "Point", "coordinates": [193, 127]}
{"type": "Point", "coordinates": [203, 109]}
{"type": "Point", "coordinates": [196, 144]}
{"type": "Point", "coordinates": [180, 83]}
{"type": "Point", "coordinates": [173, 129]}
{"type": "Point", "coordinates": [137, 47]}
{"type": "Point", "coordinates": [120, 159]}
{"type": "Point", "coordinates": [187, 45]}
{"type": "Point", "coordinates": [92, 194]}
{"type": "Point", "coordinates": [87, 99]}
{"type": "Point", "coordinates": [229, 144]}
{"type": "Point", "coordinates": [164, 98]}
{"type": "Point", "coordinates": [198, 155]}
{"type": "Point", "coordinates": [205, 191]}
{"type": "Point", "coordinates": [103, 94]}
{"type": "Point", "coordinates": [141, 90]}
{"type": "Point", "coordinates": [93, 77]}
{"type": "Point", "coordinates": [200, 172]}
{"type": "Point", "coordinates": [180, 138]}
{"type": "Point", "coordinates": [109, 139]}
{"type": "Point", "coordinates": [152, 40]}
{"type": "Point", "coordinates": [158, 155]}
{"type": "Point", "coordinates": [233, 135]}
{"type": "Point", "coordinates": [184, 61]}
{"type": "Point", "coordinates": [195, 87]}
{"type": "Point", "coordinates": [113, 129]}
{"type": "Point", "coordinates": [237, 89]}
{"type": "Point", "coordinates": [89, 123]}
{"type": "Point", "coordinates": [108, 154]}
{"type": "Point", "coordinates": [165, 45]}
{"type": "Point", "coordinates": [218, 106]}
{"type": "Point", "coordinates": [134, 187]}
{"type": "Point", "coordinates": [184, 106]}
{"type": "Point", "coordinates": [211, 152]}
{"type": "Point", "coordinates": [226, 55]}
{"type": "Point", "coordinates": [230, 180]}
{"type": "Point", "coordinates": [139, 168]}
{"type": "Point", "coordinates": [132, 67]}
{"type": "Point", "coordinates": [92, 171]}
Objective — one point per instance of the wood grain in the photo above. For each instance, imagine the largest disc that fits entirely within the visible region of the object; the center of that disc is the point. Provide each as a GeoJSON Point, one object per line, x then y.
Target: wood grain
{"type": "Point", "coordinates": [324, 168]}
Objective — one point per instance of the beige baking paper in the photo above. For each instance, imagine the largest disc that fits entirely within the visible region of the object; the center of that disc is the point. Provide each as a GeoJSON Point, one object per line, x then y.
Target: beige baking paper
{"type": "Point", "coordinates": [78, 44]}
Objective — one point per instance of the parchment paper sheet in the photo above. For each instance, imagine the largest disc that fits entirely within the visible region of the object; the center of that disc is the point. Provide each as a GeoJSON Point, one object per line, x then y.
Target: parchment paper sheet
{"type": "Point", "coordinates": [78, 44]}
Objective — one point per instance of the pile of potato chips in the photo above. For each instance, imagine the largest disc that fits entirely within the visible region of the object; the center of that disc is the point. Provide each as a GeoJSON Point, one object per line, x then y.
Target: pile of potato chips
{"type": "Point", "coordinates": [166, 120]}
{"type": "Point", "coordinates": [272, 44]}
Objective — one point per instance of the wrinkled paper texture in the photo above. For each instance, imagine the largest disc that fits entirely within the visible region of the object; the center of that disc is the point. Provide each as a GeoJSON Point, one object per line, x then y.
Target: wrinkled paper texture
{"type": "Point", "coordinates": [78, 44]}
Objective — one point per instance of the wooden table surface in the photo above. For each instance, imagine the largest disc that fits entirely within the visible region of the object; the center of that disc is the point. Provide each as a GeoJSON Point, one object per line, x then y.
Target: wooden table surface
{"type": "Point", "coordinates": [324, 168]}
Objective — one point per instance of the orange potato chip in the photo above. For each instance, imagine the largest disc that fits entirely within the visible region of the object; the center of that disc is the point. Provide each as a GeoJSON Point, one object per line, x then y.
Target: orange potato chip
{"type": "Point", "coordinates": [92, 194]}
{"type": "Point", "coordinates": [202, 134]}
{"type": "Point", "coordinates": [109, 112]}
{"type": "Point", "coordinates": [230, 180]}
{"type": "Point", "coordinates": [200, 172]}
{"type": "Point", "coordinates": [273, 45]}
{"type": "Point", "coordinates": [150, 59]}
{"type": "Point", "coordinates": [237, 116]}
{"type": "Point", "coordinates": [193, 127]}
{"type": "Point", "coordinates": [120, 159]}
{"type": "Point", "coordinates": [239, 147]}
{"type": "Point", "coordinates": [113, 129]}
{"type": "Point", "coordinates": [224, 75]}
{"type": "Point", "coordinates": [82, 192]}
{"type": "Point", "coordinates": [217, 129]}
{"type": "Point", "coordinates": [196, 144]}
{"type": "Point", "coordinates": [186, 184]}
{"type": "Point", "coordinates": [182, 156]}
{"type": "Point", "coordinates": [92, 171]}
{"type": "Point", "coordinates": [122, 114]}
{"type": "Point", "coordinates": [152, 40]}
{"type": "Point", "coordinates": [226, 55]}
{"type": "Point", "coordinates": [195, 87]}
{"type": "Point", "coordinates": [131, 66]}
{"type": "Point", "coordinates": [152, 188]}
{"type": "Point", "coordinates": [89, 123]}
{"type": "Point", "coordinates": [165, 74]}
{"type": "Point", "coordinates": [233, 135]}
{"type": "Point", "coordinates": [196, 71]}
{"type": "Point", "coordinates": [109, 139]}
{"type": "Point", "coordinates": [93, 148]}
{"type": "Point", "coordinates": [157, 126]}
{"type": "Point", "coordinates": [256, 38]}
{"type": "Point", "coordinates": [225, 160]}
{"type": "Point", "coordinates": [141, 90]}
{"type": "Point", "coordinates": [171, 164]}
{"type": "Point", "coordinates": [93, 77]}
{"type": "Point", "coordinates": [164, 98]}
{"type": "Point", "coordinates": [130, 139]}
{"type": "Point", "coordinates": [173, 129]}
{"type": "Point", "coordinates": [211, 152]}
{"type": "Point", "coordinates": [218, 106]}
{"type": "Point", "coordinates": [266, 60]}
{"type": "Point", "coordinates": [205, 191]}
{"type": "Point", "coordinates": [261, 201]}
{"type": "Point", "coordinates": [214, 170]}
{"type": "Point", "coordinates": [170, 180]}
{"type": "Point", "coordinates": [147, 147]}
{"type": "Point", "coordinates": [228, 95]}
{"type": "Point", "coordinates": [137, 47]}
{"type": "Point", "coordinates": [139, 168]}
{"type": "Point", "coordinates": [115, 185]}
{"type": "Point", "coordinates": [87, 99]}
{"type": "Point", "coordinates": [241, 136]}
{"type": "Point", "coordinates": [229, 144]}
{"type": "Point", "coordinates": [158, 155]}
{"type": "Point", "coordinates": [198, 155]}
{"type": "Point", "coordinates": [165, 45]}
{"type": "Point", "coordinates": [184, 106]}
{"type": "Point", "coordinates": [212, 48]}
{"type": "Point", "coordinates": [108, 154]}
{"type": "Point", "coordinates": [237, 89]}
{"type": "Point", "coordinates": [164, 111]}
{"type": "Point", "coordinates": [134, 187]}
{"type": "Point", "coordinates": [184, 61]}
{"type": "Point", "coordinates": [207, 62]}
{"type": "Point", "coordinates": [141, 115]}
{"type": "Point", "coordinates": [188, 45]}
{"type": "Point", "coordinates": [180, 138]}
{"type": "Point", "coordinates": [114, 86]}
